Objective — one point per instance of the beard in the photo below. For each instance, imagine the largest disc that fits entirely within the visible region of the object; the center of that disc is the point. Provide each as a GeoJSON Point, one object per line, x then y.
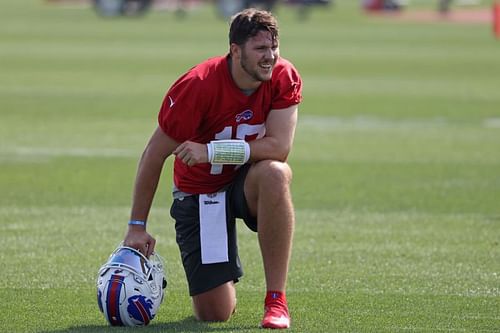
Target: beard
{"type": "Point", "coordinates": [254, 72]}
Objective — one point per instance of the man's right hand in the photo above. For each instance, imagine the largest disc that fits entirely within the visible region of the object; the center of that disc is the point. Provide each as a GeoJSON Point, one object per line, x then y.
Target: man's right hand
{"type": "Point", "coordinates": [137, 238]}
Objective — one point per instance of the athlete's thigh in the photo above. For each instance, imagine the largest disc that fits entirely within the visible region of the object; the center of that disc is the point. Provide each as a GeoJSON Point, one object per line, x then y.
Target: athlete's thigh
{"type": "Point", "coordinates": [266, 174]}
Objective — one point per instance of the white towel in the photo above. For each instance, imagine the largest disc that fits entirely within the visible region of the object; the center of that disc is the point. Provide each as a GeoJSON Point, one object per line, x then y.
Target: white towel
{"type": "Point", "coordinates": [213, 228]}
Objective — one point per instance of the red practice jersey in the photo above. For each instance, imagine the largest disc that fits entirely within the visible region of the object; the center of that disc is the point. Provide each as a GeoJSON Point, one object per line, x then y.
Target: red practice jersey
{"type": "Point", "coordinates": [205, 104]}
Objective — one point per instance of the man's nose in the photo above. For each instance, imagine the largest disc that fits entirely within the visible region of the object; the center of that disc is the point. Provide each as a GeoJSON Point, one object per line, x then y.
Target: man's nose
{"type": "Point", "coordinates": [270, 54]}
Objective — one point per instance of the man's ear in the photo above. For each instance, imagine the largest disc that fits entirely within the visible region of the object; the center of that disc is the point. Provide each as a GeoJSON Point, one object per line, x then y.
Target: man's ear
{"type": "Point", "coordinates": [235, 51]}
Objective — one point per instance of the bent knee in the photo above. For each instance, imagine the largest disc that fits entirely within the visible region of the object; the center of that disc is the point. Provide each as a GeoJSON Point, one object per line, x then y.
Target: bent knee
{"type": "Point", "coordinates": [217, 304]}
{"type": "Point", "coordinates": [214, 315]}
{"type": "Point", "coordinates": [274, 172]}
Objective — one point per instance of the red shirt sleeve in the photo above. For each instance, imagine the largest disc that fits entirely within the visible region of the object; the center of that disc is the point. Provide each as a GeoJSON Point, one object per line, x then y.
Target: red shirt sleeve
{"type": "Point", "coordinates": [179, 116]}
{"type": "Point", "coordinates": [287, 86]}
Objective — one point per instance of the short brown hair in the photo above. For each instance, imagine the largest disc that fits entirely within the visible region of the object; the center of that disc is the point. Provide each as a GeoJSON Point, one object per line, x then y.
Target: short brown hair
{"type": "Point", "coordinates": [247, 24]}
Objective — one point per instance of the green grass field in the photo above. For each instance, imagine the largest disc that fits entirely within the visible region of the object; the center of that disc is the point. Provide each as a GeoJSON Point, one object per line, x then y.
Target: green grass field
{"type": "Point", "coordinates": [396, 168]}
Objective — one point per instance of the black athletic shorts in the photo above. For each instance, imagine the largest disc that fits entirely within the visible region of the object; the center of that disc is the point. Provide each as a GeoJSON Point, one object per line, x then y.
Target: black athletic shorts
{"type": "Point", "coordinates": [203, 277]}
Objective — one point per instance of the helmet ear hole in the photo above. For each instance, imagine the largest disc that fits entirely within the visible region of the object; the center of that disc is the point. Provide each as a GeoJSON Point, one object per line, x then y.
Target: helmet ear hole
{"type": "Point", "coordinates": [138, 279]}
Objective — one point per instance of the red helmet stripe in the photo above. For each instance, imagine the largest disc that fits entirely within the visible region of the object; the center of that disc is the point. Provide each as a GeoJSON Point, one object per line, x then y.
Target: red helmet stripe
{"type": "Point", "coordinates": [113, 300]}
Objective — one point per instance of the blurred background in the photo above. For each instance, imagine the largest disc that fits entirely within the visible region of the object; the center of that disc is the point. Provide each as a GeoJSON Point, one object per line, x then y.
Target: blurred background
{"type": "Point", "coordinates": [229, 7]}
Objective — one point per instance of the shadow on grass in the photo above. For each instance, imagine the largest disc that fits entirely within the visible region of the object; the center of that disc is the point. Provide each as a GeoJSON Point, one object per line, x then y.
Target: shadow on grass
{"type": "Point", "coordinates": [189, 324]}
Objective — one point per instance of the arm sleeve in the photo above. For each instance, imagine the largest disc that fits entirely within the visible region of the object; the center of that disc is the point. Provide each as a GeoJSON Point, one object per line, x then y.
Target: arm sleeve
{"type": "Point", "coordinates": [288, 87]}
{"type": "Point", "coordinates": [179, 115]}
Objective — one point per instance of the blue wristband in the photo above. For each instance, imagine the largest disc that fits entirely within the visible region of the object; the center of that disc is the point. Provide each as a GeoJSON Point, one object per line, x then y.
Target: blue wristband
{"type": "Point", "coordinates": [137, 222]}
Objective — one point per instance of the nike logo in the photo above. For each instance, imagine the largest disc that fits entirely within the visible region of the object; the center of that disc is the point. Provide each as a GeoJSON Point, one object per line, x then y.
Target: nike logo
{"type": "Point", "coordinates": [171, 101]}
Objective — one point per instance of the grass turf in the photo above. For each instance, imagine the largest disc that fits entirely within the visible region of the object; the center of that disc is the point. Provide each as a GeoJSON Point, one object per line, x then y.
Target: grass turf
{"type": "Point", "coordinates": [396, 168]}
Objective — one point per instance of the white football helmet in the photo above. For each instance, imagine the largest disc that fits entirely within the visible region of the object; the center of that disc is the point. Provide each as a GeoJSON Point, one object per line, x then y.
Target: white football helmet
{"type": "Point", "coordinates": [130, 287]}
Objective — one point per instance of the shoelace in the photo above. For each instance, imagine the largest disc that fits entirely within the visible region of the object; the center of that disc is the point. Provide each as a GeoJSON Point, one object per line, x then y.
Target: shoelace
{"type": "Point", "coordinates": [277, 305]}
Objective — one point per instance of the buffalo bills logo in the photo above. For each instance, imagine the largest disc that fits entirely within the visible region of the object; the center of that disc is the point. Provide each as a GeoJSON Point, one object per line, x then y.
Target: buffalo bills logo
{"type": "Point", "coordinates": [139, 307]}
{"type": "Point", "coordinates": [245, 115]}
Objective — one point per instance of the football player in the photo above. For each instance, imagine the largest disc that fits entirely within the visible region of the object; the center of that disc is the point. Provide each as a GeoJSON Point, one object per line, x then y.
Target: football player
{"type": "Point", "coordinates": [230, 123]}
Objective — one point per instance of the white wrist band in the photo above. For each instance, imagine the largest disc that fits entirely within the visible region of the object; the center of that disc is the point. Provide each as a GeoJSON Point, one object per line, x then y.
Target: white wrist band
{"type": "Point", "coordinates": [210, 152]}
{"type": "Point", "coordinates": [228, 152]}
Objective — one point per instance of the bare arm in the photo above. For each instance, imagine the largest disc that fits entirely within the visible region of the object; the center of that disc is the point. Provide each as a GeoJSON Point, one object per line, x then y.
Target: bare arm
{"type": "Point", "coordinates": [275, 145]}
{"type": "Point", "coordinates": [159, 147]}
{"type": "Point", "coordinates": [280, 131]}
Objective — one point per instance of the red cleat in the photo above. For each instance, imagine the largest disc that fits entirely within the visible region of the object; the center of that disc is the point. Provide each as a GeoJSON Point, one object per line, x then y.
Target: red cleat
{"type": "Point", "coordinates": [275, 311]}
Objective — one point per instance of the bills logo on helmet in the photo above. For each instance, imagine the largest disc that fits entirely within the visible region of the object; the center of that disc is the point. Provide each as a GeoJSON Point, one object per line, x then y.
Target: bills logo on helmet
{"type": "Point", "coordinates": [139, 307]}
{"type": "Point", "coordinates": [245, 115]}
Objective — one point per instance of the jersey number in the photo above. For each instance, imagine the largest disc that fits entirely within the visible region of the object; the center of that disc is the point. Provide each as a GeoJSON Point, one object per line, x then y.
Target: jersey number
{"type": "Point", "coordinates": [242, 131]}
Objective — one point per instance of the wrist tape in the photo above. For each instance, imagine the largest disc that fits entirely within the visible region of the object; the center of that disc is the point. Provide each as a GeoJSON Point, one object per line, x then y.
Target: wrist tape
{"type": "Point", "coordinates": [228, 152]}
